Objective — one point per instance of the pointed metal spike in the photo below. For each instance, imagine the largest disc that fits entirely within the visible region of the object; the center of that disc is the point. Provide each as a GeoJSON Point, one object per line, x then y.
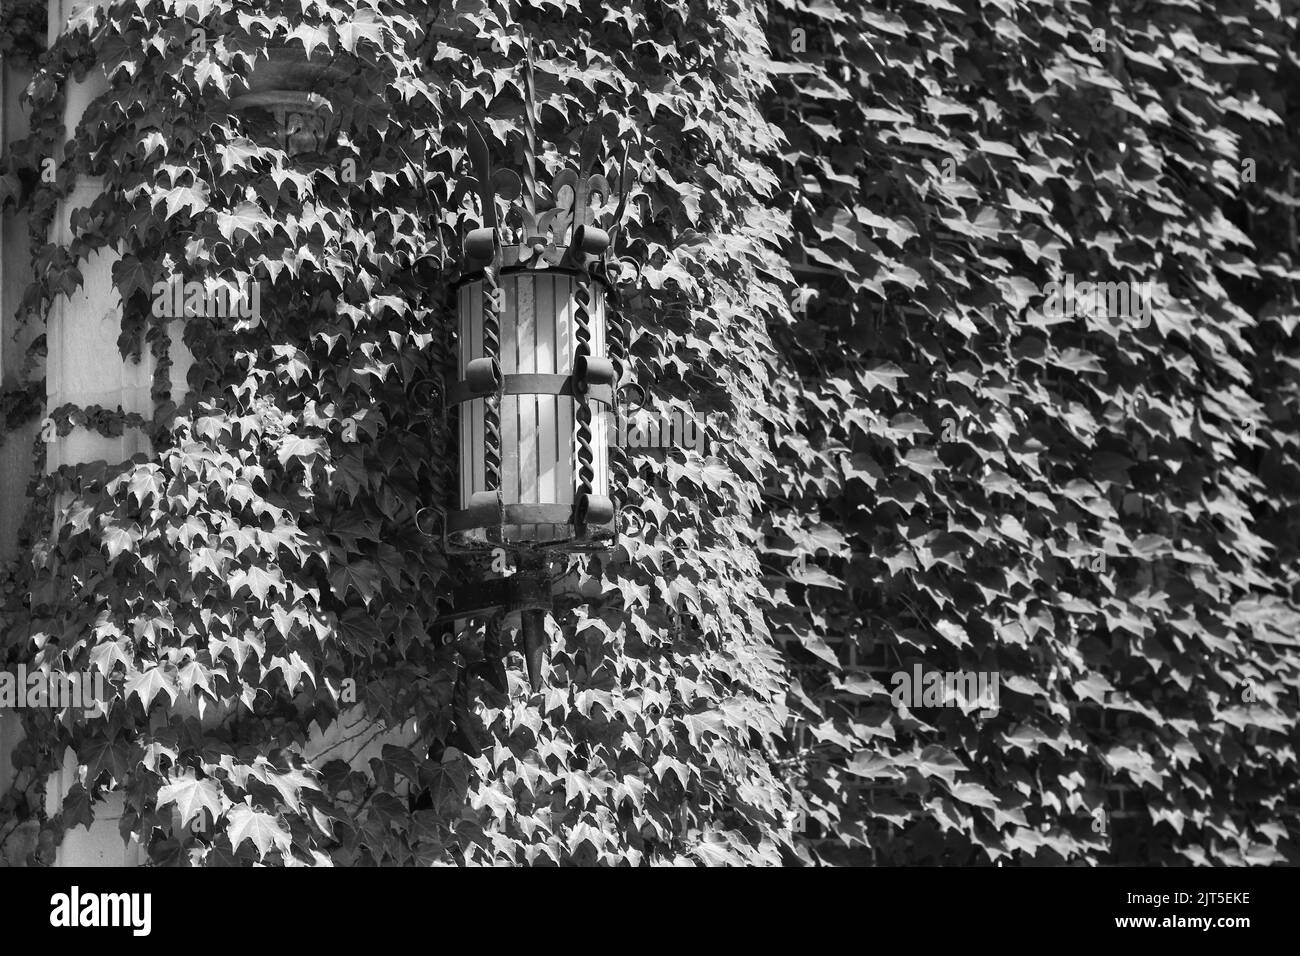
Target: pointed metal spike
{"type": "Point", "coordinates": [534, 629]}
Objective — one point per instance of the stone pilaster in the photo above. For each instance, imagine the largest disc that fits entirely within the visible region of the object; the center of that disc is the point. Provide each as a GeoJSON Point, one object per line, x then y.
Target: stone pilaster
{"type": "Point", "coordinates": [15, 446]}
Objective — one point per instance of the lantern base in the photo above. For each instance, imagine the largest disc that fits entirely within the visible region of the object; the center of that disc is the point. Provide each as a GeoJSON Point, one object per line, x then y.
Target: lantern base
{"type": "Point", "coordinates": [486, 526]}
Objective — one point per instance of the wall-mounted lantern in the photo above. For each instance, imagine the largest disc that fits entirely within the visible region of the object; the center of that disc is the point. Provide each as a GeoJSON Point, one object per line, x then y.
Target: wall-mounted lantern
{"type": "Point", "coordinates": [542, 354]}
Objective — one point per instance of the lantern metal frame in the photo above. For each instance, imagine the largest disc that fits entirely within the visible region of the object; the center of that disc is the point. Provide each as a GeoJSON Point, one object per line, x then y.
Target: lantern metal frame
{"type": "Point", "coordinates": [564, 241]}
{"type": "Point", "coordinates": [593, 521]}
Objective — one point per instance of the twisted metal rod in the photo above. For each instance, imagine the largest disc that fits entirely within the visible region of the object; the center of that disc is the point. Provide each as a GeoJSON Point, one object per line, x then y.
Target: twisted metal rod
{"type": "Point", "coordinates": [582, 413]}
{"type": "Point", "coordinates": [530, 138]}
{"type": "Point", "coordinates": [492, 403]}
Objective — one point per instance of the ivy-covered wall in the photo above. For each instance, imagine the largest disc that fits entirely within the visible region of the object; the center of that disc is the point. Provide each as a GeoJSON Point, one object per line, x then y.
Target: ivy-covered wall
{"type": "Point", "coordinates": [851, 221]}
{"type": "Point", "coordinates": [1100, 508]}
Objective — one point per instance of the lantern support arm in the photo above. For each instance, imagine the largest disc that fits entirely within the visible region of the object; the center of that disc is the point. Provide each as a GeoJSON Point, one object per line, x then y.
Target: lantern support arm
{"type": "Point", "coordinates": [525, 590]}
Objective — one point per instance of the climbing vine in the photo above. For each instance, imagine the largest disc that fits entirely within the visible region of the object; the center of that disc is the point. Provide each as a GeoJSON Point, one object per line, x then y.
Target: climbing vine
{"type": "Point", "coordinates": [848, 220]}
{"type": "Point", "coordinates": [1099, 508]}
{"type": "Point", "coordinates": [259, 578]}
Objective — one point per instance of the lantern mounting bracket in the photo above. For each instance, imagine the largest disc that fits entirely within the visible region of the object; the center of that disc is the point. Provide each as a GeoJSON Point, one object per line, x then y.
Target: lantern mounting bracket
{"type": "Point", "coordinates": [528, 592]}
{"type": "Point", "coordinates": [524, 590]}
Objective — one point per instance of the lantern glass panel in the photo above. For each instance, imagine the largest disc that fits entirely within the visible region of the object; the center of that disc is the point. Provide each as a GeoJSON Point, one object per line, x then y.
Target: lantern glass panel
{"type": "Point", "coordinates": [538, 443]}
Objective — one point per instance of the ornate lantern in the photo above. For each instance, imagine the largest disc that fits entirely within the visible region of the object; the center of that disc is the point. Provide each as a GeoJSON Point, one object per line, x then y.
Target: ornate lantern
{"type": "Point", "coordinates": [541, 357]}
{"type": "Point", "coordinates": [537, 382]}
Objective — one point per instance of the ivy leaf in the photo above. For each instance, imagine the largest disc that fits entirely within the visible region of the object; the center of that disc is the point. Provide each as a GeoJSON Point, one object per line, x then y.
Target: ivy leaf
{"type": "Point", "coordinates": [238, 154]}
{"type": "Point", "coordinates": [78, 808]}
{"type": "Point", "coordinates": [312, 37]}
{"type": "Point", "coordinates": [111, 754]}
{"type": "Point", "coordinates": [975, 795]}
{"type": "Point", "coordinates": [259, 581]}
{"type": "Point", "coordinates": [295, 446]}
{"type": "Point", "coordinates": [192, 200]}
{"type": "Point", "coordinates": [263, 829]}
{"type": "Point", "coordinates": [192, 796]}
{"type": "Point", "coordinates": [119, 539]}
{"type": "Point", "coordinates": [360, 576]}
{"type": "Point", "coordinates": [294, 364]}
{"type": "Point", "coordinates": [149, 683]}
{"type": "Point", "coordinates": [247, 219]}
{"type": "Point", "coordinates": [358, 629]}
{"type": "Point", "coordinates": [364, 25]}
{"type": "Point", "coordinates": [885, 375]}
{"type": "Point", "coordinates": [108, 653]}
{"type": "Point", "coordinates": [131, 275]}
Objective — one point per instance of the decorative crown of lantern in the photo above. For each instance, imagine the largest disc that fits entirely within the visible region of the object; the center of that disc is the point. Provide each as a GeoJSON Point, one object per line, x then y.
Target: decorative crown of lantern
{"type": "Point", "coordinates": [540, 355]}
